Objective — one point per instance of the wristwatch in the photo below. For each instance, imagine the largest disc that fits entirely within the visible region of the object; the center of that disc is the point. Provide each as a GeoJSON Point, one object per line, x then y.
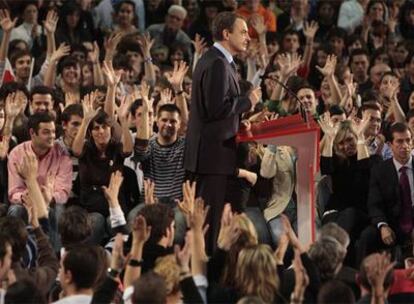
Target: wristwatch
{"type": "Point", "coordinates": [113, 273]}
{"type": "Point", "coordinates": [135, 263]}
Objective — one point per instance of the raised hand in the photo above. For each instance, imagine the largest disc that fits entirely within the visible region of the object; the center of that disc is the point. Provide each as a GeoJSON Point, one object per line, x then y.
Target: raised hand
{"type": "Point", "coordinates": [257, 22]}
{"type": "Point", "coordinates": [199, 44]}
{"type": "Point", "coordinates": [118, 258]}
{"type": "Point", "coordinates": [377, 269]}
{"type": "Point", "coordinates": [198, 215]}
{"type": "Point", "coordinates": [5, 21]}
{"type": "Point", "coordinates": [112, 77]}
{"type": "Point", "coordinates": [14, 105]}
{"type": "Point", "coordinates": [301, 277]}
{"type": "Point", "coordinates": [31, 209]}
{"type": "Point", "coordinates": [51, 21]}
{"type": "Point", "coordinates": [289, 64]}
{"type": "Point", "coordinates": [229, 232]}
{"type": "Point", "coordinates": [28, 168]}
{"type": "Point", "coordinates": [48, 188]}
{"type": "Point", "coordinates": [310, 29]}
{"type": "Point", "coordinates": [111, 192]}
{"type": "Point", "coordinates": [361, 125]}
{"type": "Point", "coordinates": [329, 68]}
{"type": "Point", "coordinates": [165, 97]}
{"type": "Point", "coordinates": [177, 77]}
{"type": "Point", "coordinates": [149, 187]}
{"type": "Point", "coordinates": [183, 255]}
{"type": "Point", "coordinates": [189, 193]}
{"type": "Point", "coordinates": [146, 43]}
{"type": "Point", "coordinates": [123, 110]}
{"type": "Point", "coordinates": [93, 56]}
{"type": "Point", "coordinates": [140, 231]}
{"type": "Point", "coordinates": [255, 96]}
{"type": "Point", "coordinates": [147, 102]}
{"type": "Point", "coordinates": [62, 51]}
{"type": "Point", "coordinates": [327, 126]}
{"type": "Point", "coordinates": [87, 105]}
{"type": "Point", "coordinates": [111, 44]}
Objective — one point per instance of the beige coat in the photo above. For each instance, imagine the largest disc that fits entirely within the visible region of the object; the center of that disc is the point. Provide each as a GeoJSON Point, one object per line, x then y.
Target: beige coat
{"type": "Point", "coordinates": [281, 167]}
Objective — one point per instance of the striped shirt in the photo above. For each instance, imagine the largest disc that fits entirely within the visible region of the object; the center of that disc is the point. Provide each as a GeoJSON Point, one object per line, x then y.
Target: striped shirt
{"type": "Point", "coordinates": [163, 165]}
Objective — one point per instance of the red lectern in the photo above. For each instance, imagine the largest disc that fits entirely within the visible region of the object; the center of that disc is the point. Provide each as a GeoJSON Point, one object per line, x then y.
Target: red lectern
{"type": "Point", "coordinates": [304, 136]}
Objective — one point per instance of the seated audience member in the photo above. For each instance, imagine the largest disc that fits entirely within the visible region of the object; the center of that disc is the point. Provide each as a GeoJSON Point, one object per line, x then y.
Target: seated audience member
{"type": "Point", "coordinates": [389, 199]}
{"type": "Point", "coordinates": [335, 291]}
{"type": "Point", "coordinates": [53, 171]}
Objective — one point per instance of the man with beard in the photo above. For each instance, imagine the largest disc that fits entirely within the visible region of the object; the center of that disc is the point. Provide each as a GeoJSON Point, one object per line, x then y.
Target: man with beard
{"type": "Point", "coordinates": [162, 155]}
{"type": "Point", "coordinates": [390, 198]}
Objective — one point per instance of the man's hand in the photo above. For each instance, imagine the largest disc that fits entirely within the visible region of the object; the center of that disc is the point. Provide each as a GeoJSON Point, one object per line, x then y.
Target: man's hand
{"type": "Point", "coordinates": [177, 77]}
{"type": "Point", "coordinates": [111, 192]}
{"type": "Point", "coordinates": [62, 51]}
{"type": "Point", "coordinates": [387, 235]}
{"type": "Point", "coordinates": [112, 77]}
{"type": "Point", "coordinates": [255, 96]}
{"type": "Point", "coordinates": [149, 187]}
{"type": "Point", "coordinates": [5, 21]}
{"type": "Point", "coordinates": [118, 257]}
{"type": "Point", "coordinates": [51, 21]}
{"type": "Point", "coordinates": [140, 231]}
{"type": "Point", "coordinates": [87, 105]}
{"type": "Point", "coordinates": [14, 105]}
{"type": "Point", "coordinates": [199, 45]}
{"type": "Point", "coordinates": [28, 168]}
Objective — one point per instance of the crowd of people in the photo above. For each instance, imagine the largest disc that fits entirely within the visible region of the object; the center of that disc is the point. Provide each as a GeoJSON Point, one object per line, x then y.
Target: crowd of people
{"type": "Point", "coordinates": [121, 180]}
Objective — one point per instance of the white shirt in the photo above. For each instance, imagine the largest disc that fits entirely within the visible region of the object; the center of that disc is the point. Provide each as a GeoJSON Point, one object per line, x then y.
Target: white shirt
{"type": "Point", "coordinates": [24, 32]}
{"type": "Point", "coordinates": [76, 299]}
{"type": "Point", "coordinates": [409, 171]}
{"type": "Point", "coordinates": [225, 52]}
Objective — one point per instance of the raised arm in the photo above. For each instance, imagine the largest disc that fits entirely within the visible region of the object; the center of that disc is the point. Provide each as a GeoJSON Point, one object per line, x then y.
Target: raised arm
{"type": "Point", "coordinates": [328, 71]}
{"type": "Point", "coordinates": [50, 74]}
{"type": "Point", "coordinates": [199, 48]}
{"type": "Point", "coordinates": [88, 114]}
{"type": "Point", "coordinates": [176, 80]}
{"type": "Point", "coordinates": [6, 25]}
{"type": "Point", "coordinates": [288, 65]}
{"type": "Point", "coordinates": [330, 131]}
{"type": "Point", "coordinates": [112, 80]}
{"type": "Point", "coordinates": [50, 27]}
{"type": "Point", "coordinates": [98, 78]}
{"type": "Point", "coordinates": [124, 119]}
{"type": "Point", "coordinates": [146, 44]}
{"type": "Point", "coordinates": [140, 234]}
{"type": "Point", "coordinates": [309, 30]}
{"type": "Point", "coordinates": [144, 130]}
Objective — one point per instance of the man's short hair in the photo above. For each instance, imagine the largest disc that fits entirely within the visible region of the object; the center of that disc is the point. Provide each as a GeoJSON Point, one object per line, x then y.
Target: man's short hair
{"type": "Point", "coordinates": [160, 218]}
{"type": "Point", "coordinates": [358, 52]}
{"type": "Point", "coordinates": [25, 290]}
{"type": "Point", "coordinates": [135, 106]}
{"type": "Point", "coordinates": [171, 108]}
{"type": "Point", "coordinates": [71, 110]}
{"type": "Point", "coordinates": [17, 55]}
{"type": "Point", "coordinates": [74, 226]}
{"type": "Point", "coordinates": [223, 21]}
{"type": "Point", "coordinates": [14, 230]}
{"type": "Point", "coordinates": [398, 127]}
{"type": "Point", "coordinates": [37, 118]}
{"type": "Point", "coordinates": [335, 291]}
{"type": "Point", "coordinates": [42, 90]}
{"type": "Point", "coordinates": [150, 288]}
{"type": "Point", "coordinates": [83, 262]}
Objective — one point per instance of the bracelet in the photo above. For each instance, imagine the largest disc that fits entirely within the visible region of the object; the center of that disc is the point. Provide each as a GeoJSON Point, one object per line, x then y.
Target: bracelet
{"type": "Point", "coordinates": [179, 92]}
{"type": "Point", "coordinates": [149, 59]}
{"type": "Point", "coordinates": [135, 263]}
{"type": "Point", "coordinates": [361, 142]}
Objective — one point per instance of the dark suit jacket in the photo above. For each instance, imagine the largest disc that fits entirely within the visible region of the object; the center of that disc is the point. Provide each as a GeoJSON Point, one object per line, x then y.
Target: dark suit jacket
{"type": "Point", "coordinates": [215, 112]}
{"type": "Point", "coordinates": [384, 203]}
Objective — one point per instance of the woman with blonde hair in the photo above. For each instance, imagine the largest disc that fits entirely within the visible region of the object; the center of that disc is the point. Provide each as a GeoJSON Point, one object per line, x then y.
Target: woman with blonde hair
{"type": "Point", "coordinates": [257, 260]}
{"type": "Point", "coordinates": [346, 159]}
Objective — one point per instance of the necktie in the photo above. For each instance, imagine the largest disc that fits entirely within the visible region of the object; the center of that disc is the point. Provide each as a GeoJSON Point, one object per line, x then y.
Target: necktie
{"type": "Point", "coordinates": [406, 220]}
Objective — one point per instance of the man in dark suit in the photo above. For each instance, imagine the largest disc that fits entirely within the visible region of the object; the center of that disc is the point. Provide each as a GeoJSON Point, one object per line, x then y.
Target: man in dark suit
{"type": "Point", "coordinates": [216, 108]}
{"type": "Point", "coordinates": [390, 199]}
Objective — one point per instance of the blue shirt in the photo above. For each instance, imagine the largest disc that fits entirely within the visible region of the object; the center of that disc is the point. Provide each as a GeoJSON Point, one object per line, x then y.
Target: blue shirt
{"type": "Point", "coordinates": [225, 52]}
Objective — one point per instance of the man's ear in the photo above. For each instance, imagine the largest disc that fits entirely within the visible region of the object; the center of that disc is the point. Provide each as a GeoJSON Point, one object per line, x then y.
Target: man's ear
{"type": "Point", "coordinates": [226, 33]}
{"type": "Point", "coordinates": [67, 276]}
{"type": "Point", "coordinates": [32, 132]}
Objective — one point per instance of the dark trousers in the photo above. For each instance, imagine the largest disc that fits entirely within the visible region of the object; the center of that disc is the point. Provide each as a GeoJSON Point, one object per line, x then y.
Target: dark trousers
{"type": "Point", "coordinates": [216, 190]}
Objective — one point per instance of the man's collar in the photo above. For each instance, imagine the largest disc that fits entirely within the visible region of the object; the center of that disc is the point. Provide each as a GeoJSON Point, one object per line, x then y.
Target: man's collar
{"type": "Point", "coordinates": [398, 165]}
{"type": "Point", "coordinates": [225, 52]}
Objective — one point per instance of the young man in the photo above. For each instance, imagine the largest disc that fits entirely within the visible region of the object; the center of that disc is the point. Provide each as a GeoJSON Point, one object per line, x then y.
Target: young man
{"type": "Point", "coordinates": [78, 272]}
{"type": "Point", "coordinates": [54, 173]}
